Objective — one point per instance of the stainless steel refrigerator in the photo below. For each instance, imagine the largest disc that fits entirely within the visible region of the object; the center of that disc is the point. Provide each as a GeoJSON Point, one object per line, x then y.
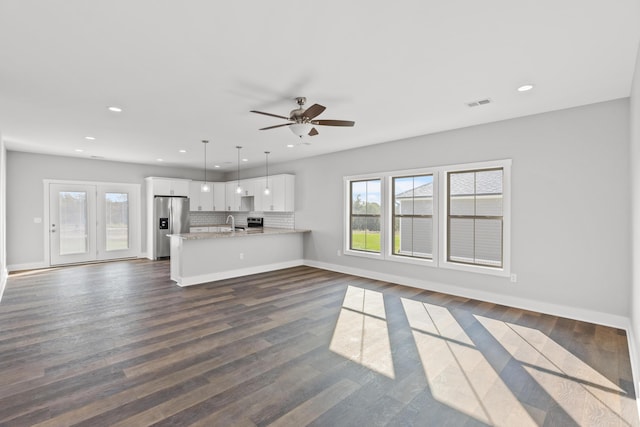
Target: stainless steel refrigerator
{"type": "Point", "coordinates": [170, 216]}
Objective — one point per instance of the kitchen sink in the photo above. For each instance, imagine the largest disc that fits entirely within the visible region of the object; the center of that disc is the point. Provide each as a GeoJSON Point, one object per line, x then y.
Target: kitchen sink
{"type": "Point", "coordinates": [220, 229]}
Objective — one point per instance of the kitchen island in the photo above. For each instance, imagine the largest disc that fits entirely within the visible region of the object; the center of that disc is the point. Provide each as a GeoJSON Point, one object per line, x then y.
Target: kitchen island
{"type": "Point", "coordinates": [206, 257]}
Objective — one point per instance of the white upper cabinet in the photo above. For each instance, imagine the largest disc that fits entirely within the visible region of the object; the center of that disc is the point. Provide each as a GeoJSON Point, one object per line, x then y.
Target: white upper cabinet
{"type": "Point", "coordinates": [200, 201]}
{"type": "Point", "coordinates": [168, 186]}
{"type": "Point", "coordinates": [219, 196]}
{"type": "Point", "coordinates": [279, 199]}
{"type": "Point", "coordinates": [232, 198]}
{"type": "Point", "coordinates": [258, 195]}
{"type": "Point", "coordinates": [281, 194]}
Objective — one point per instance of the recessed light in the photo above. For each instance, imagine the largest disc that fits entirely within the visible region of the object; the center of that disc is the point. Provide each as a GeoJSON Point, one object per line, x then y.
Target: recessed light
{"type": "Point", "coordinates": [182, 151]}
{"type": "Point", "coordinates": [159, 160]}
{"type": "Point", "coordinates": [290, 145]}
{"type": "Point", "coordinates": [79, 150]}
{"type": "Point", "coordinates": [245, 160]}
{"type": "Point", "coordinates": [216, 166]}
{"type": "Point", "coordinates": [115, 109]}
{"type": "Point", "coordinates": [90, 138]}
{"type": "Point", "coordinates": [525, 88]}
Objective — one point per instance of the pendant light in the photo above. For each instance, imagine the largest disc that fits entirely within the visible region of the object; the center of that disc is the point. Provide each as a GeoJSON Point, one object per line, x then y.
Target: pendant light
{"type": "Point", "coordinates": [266, 189]}
{"type": "Point", "coordinates": [238, 188]}
{"type": "Point", "coordinates": [204, 187]}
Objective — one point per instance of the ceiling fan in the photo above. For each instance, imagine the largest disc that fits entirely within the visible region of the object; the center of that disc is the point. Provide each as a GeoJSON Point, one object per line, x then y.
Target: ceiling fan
{"type": "Point", "coordinates": [302, 120]}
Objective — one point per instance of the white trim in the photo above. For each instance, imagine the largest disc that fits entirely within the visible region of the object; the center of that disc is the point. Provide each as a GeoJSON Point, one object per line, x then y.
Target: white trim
{"type": "Point", "coordinates": [28, 266]}
{"type": "Point", "coordinates": [364, 254]}
{"type": "Point", "coordinates": [435, 214]}
{"type": "Point", "coordinates": [505, 270]}
{"type": "Point", "coordinates": [346, 210]}
{"type": "Point", "coordinates": [633, 356]}
{"type": "Point", "coordinates": [212, 277]}
{"type": "Point", "coordinates": [439, 230]}
{"type": "Point", "coordinates": [135, 219]}
{"type": "Point", "coordinates": [3, 281]}
{"type": "Point", "coordinates": [584, 315]}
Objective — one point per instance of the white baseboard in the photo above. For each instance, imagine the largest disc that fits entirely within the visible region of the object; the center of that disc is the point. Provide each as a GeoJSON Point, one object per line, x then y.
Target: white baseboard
{"type": "Point", "coordinates": [27, 266]}
{"type": "Point", "coordinates": [584, 315]}
{"type": "Point", "coordinates": [3, 281]}
{"type": "Point", "coordinates": [635, 358]}
{"type": "Point", "coordinates": [205, 278]}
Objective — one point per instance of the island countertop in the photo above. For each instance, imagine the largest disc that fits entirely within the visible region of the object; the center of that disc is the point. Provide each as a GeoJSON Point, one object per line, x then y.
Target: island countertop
{"type": "Point", "coordinates": [208, 257]}
{"type": "Point", "coordinates": [238, 233]}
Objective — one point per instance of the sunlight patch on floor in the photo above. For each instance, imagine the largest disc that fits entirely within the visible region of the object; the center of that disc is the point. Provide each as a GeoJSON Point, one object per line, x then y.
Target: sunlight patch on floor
{"type": "Point", "coordinates": [361, 332]}
{"type": "Point", "coordinates": [583, 393]}
{"type": "Point", "coordinates": [458, 374]}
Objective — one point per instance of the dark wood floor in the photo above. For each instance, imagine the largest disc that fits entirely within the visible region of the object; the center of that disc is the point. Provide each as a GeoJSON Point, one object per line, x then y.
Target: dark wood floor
{"type": "Point", "coordinates": [120, 344]}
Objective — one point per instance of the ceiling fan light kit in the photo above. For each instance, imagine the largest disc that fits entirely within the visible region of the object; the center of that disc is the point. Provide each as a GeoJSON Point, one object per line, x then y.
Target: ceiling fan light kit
{"type": "Point", "coordinates": [302, 120]}
{"type": "Point", "coordinates": [301, 129]}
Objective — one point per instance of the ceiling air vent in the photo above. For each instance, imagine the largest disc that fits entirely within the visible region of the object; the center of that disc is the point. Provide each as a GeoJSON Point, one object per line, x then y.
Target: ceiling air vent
{"type": "Point", "coordinates": [478, 103]}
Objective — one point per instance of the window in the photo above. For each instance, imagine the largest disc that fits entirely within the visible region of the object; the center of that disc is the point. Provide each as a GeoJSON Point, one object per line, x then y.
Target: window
{"type": "Point", "coordinates": [475, 217]}
{"type": "Point", "coordinates": [412, 217]}
{"type": "Point", "coordinates": [456, 216]}
{"type": "Point", "coordinates": [365, 215]}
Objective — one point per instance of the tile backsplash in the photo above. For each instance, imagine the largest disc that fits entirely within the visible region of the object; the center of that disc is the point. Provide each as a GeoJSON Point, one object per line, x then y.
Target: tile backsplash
{"type": "Point", "coordinates": [271, 219]}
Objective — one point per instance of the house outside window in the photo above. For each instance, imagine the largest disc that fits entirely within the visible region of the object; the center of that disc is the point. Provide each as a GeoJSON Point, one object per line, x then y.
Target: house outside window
{"type": "Point", "coordinates": [412, 217]}
{"type": "Point", "coordinates": [475, 220]}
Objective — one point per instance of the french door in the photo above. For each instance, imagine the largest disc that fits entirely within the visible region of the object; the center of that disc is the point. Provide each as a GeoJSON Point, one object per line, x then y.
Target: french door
{"type": "Point", "coordinates": [92, 222]}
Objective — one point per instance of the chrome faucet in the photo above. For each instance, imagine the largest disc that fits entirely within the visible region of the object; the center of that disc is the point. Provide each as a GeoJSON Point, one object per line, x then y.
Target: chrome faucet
{"type": "Point", "coordinates": [233, 222]}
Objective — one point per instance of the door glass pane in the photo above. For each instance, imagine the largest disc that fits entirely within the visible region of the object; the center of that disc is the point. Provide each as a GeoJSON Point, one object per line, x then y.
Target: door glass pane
{"type": "Point", "coordinates": [73, 222]}
{"type": "Point", "coordinates": [117, 221]}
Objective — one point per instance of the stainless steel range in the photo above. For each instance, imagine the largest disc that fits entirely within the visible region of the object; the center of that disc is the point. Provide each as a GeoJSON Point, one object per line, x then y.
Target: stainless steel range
{"type": "Point", "coordinates": [255, 222]}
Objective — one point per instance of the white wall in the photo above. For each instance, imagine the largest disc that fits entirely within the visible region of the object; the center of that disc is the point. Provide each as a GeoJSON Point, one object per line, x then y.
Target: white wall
{"type": "Point", "coordinates": [3, 215]}
{"type": "Point", "coordinates": [25, 198]}
{"type": "Point", "coordinates": [570, 207]}
{"type": "Point", "coordinates": [634, 157]}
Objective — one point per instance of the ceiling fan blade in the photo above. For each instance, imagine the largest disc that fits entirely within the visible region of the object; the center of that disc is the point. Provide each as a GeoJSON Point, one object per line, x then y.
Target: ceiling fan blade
{"type": "Point", "coordinates": [333, 122]}
{"type": "Point", "coordinates": [313, 132]}
{"type": "Point", "coordinates": [276, 126]}
{"type": "Point", "coordinates": [272, 115]}
{"type": "Point", "coordinates": [314, 111]}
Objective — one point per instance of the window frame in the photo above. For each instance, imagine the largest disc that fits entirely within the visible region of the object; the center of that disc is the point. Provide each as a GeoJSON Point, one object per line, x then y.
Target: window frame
{"type": "Point", "coordinates": [505, 269]}
{"type": "Point", "coordinates": [440, 217]}
{"type": "Point", "coordinates": [433, 261]}
{"type": "Point", "coordinates": [347, 250]}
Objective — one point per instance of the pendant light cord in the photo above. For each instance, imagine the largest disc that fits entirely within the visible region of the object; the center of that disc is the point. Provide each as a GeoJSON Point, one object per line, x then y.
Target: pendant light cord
{"type": "Point", "coordinates": [205, 142]}
{"type": "Point", "coordinates": [238, 147]}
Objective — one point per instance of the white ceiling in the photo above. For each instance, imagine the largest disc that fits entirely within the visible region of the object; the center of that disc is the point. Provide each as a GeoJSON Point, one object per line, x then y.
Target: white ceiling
{"type": "Point", "coordinates": [184, 71]}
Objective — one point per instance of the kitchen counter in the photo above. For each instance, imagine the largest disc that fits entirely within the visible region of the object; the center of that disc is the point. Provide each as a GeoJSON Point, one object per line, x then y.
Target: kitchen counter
{"type": "Point", "coordinates": [206, 257]}
{"type": "Point", "coordinates": [237, 233]}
